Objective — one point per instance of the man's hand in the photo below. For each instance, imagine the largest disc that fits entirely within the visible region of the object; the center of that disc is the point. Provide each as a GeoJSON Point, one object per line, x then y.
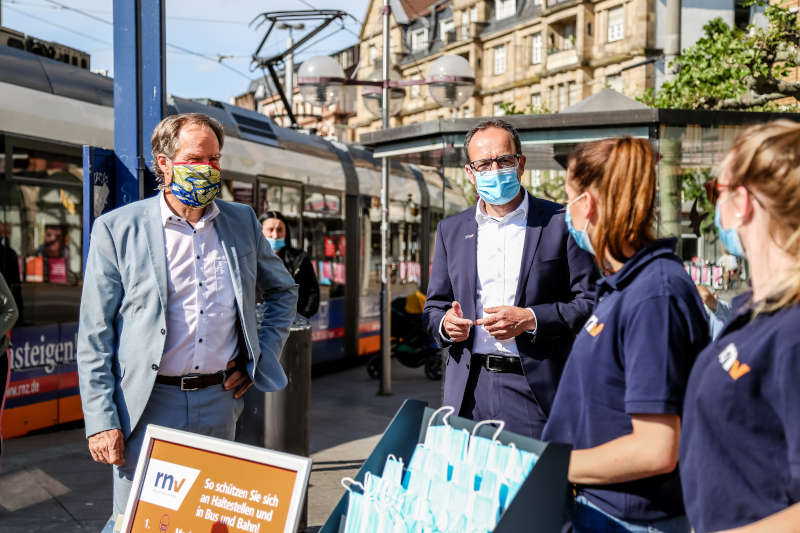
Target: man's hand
{"type": "Point", "coordinates": [237, 380]}
{"type": "Point", "coordinates": [108, 447]}
{"type": "Point", "coordinates": [455, 325]}
{"type": "Point", "coordinates": [506, 321]}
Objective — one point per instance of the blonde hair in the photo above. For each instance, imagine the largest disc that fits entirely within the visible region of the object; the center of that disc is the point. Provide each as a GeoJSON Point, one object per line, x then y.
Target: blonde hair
{"type": "Point", "coordinates": [623, 171]}
{"type": "Point", "coordinates": [766, 160]}
{"type": "Point", "coordinates": [165, 135]}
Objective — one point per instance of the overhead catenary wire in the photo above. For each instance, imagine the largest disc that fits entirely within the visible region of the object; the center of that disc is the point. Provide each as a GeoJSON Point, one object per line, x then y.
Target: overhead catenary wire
{"type": "Point", "coordinates": [214, 59]}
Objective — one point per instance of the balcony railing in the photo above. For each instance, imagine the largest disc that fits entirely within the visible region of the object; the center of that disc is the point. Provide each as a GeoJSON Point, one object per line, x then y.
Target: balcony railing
{"type": "Point", "coordinates": [562, 58]}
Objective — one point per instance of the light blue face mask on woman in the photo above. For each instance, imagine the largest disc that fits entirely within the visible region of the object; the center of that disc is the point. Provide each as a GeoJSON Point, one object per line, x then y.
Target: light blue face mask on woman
{"type": "Point", "coordinates": [729, 236]}
{"type": "Point", "coordinates": [581, 236]}
{"type": "Point", "coordinates": [497, 187]}
{"type": "Point", "coordinates": [276, 244]}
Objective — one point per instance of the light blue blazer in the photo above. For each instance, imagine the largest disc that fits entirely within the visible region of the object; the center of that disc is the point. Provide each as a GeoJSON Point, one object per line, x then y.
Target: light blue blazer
{"type": "Point", "coordinates": [123, 309]}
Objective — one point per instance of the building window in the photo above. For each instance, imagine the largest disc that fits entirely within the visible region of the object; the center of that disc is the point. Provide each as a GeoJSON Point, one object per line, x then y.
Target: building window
{"type": "Point", "coordinates": [505, 8]}
{"type": "Point", "coordinates": [446, 27]}
{"type": "Point", "coordinates": [500, 59]}
{"type": "Point", "coordinates": [574, 93]}
{"type": "Point", "coordinates": [616, 23]}
{"type": "Point", "coordinates": [419, 39]}
{"type": "Point", "coordinates": [536, 48]}
{"type": "Point", "coordinates": [464, 24]}
{"type": "Point", "coordinates": [536, 101]}
{"type": "Point", "coordinates": [569, 37]}
{"type": "Point", "coordinates": [615, 82]}
{"type": "Point", "coordinates": [415, 89]}
{"type": "Point", "coordinates": [473, 14]}
{"type": "Point", "coordinates": [497, 109]}
{"type": "Point", "coordinates": [373, 54]}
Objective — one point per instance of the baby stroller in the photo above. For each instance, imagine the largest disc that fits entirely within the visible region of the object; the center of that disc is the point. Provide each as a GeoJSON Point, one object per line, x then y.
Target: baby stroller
{"type": "Point", "coordinates": [411, 345]}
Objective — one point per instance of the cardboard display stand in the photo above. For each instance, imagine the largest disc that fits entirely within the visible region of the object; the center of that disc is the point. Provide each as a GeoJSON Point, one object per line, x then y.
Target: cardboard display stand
{"type": "Point", "coordinates": [539, 504]}
{"type": "Point", "coordinates": [188, 482]}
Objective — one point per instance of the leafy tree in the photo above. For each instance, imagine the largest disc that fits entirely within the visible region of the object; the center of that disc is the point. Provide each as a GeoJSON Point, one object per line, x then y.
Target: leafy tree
{"type": "Point", "coordinates": [737, 70]}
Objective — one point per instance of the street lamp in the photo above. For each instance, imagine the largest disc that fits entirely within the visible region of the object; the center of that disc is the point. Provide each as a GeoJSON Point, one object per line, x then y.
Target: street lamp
{"type": "Point", "coordinates": [451, 81]}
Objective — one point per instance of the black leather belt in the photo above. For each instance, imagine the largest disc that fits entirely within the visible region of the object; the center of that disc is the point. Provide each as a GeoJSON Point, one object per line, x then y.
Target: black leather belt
{"type": "Point", "coordinates": [191, 382]}
{"type": "Point", "coordinates": [499, 363]}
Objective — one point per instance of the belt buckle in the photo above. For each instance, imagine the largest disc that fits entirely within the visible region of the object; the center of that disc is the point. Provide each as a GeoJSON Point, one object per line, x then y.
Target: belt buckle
{"type": "Point", "coordinates": [488, 366]}
{"type": "Point", "coordinates": [184, 379]}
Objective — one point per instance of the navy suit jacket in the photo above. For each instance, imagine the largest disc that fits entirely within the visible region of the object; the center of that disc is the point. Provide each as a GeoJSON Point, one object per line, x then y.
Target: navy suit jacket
{"type": "Point", "coordinates": [557, 280]}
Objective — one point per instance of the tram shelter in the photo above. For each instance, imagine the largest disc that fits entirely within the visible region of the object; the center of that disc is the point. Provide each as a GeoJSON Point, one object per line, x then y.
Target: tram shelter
{"type": "Point", "coordinates": [690, 143]}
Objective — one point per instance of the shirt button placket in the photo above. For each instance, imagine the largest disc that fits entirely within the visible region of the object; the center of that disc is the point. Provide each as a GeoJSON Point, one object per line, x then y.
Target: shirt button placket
{"type": "Point", "coordinates": [199, 320]}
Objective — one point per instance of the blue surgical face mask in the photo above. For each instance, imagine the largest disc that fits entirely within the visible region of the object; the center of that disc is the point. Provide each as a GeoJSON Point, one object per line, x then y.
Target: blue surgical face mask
{"type": "Point", "coordinates": [729, 237]}
{"type": "Point", "coordinates": [497, 187]}
{"type": "Point", "coordinates": [276, 244]}
{"type": "Point", "coordinates": [581, 237]}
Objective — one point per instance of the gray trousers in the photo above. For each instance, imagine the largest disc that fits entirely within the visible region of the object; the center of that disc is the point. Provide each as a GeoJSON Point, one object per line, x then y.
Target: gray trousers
{"type": "Point", "coordinates": [211, 411]}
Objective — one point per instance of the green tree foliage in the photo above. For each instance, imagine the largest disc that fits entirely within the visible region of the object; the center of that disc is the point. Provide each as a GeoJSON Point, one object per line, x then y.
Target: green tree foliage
{"type": "Point", "coordinates": [737, 70]}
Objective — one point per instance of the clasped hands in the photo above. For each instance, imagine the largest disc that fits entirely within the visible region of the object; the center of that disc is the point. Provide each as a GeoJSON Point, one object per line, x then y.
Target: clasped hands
{"type": "Point", "coordinates": [503, 322]}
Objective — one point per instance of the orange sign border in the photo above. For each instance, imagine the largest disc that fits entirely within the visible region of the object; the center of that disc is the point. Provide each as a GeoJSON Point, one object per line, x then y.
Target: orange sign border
{"type": "Point", "coordinates": [222, 447]}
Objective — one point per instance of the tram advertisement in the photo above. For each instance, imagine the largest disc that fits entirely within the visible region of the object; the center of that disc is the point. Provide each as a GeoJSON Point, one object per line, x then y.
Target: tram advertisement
{"type": "Point", "coordinates": [43, 389]}
{"type": "Point", "coordinates": [184, 488]}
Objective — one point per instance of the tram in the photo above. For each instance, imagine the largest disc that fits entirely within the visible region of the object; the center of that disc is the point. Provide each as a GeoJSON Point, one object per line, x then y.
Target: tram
{"type": "Point", "coordinates": [328, 191]}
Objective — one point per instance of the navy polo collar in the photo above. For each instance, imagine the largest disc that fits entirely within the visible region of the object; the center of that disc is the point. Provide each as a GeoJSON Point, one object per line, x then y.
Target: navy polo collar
{"type": "Point", "coordinates": [629, 270]}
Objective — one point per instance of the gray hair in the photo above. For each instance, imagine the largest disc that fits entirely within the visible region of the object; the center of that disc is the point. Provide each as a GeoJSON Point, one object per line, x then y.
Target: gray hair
{"type": "Point", "coordinates": [165, 136]}
{"type": "Point", "coordinates": [492, 123]}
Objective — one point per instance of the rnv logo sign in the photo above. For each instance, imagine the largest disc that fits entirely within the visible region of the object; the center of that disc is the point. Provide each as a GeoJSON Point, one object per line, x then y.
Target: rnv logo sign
{"type": "Point", "coordinates": [167, 484]}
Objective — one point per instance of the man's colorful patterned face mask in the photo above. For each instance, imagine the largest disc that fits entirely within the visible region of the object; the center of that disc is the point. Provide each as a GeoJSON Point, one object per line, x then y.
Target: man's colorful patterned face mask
{"type": "Point", "coordinates": [195, 184]}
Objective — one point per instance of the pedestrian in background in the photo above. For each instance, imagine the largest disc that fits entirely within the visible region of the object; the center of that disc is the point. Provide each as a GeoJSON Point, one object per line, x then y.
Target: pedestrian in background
{"type": "Point", "coordinates": [620, 398]}
{"type": "Point", "coordinates": [740, 449]}
{"type": "Point", "coordinates": [718, 311]}
{"type": "Point", "coordinates": [276, 230]}
{"type": "Point", "coordinates": [8, 317]}
{"type": "Point", "coordinates": [508, 290]}
{"type": "Point", "coordinates": [169, 303]}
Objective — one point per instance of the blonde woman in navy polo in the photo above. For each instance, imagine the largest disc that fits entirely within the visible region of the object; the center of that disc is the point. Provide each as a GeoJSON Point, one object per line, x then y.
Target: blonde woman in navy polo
{"type": "Point", "coordinates": [740, 448]}
{"type": "Point", "coordinates": [620, 398]}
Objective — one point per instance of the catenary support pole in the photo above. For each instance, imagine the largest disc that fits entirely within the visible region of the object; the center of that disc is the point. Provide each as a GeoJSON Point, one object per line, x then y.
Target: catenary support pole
{"type": "Point", "coordinates": [386, 291]}
{"type": "Point", "coordinates": [139, 97]}
{"type": "Point", "coordinates": [672, 46]}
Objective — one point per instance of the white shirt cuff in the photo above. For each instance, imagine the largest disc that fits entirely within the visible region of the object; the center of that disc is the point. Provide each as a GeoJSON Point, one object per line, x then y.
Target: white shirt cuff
{"type": "Point", "coordinates": [442, 334]}
{"type": "Point", "coordinates": [533, 331]}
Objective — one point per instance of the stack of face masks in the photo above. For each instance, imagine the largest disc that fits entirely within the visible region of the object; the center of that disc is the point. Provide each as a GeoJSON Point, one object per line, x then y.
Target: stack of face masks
{"type": "Point", "coordinates": [454, 482]}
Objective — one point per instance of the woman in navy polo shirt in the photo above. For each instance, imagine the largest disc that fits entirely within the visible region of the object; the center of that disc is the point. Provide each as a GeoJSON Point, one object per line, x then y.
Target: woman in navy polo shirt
{"type": "Point", "coordinates": [740, 448]}
{"type": "Point", "coordinates": [620, 398]}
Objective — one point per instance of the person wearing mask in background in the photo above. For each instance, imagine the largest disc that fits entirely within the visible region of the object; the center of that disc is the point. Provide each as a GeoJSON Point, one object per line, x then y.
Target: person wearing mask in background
{"type": "Point", "coordinates": [740, 449]}
{"type": "Point", "coordinates": [276, 230]}
{"type": "Point", "coordinates": [620, 398]}
{"type": "Point", "coordinates": [508, 290]}
{"type": "Point", "coordinates": [718, 311]}
{"type": "Point", "coordinates": [8, 317]}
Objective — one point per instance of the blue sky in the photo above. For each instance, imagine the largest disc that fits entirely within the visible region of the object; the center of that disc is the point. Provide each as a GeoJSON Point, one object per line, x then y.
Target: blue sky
{"type": "Point", "coordinates": [206, 27]}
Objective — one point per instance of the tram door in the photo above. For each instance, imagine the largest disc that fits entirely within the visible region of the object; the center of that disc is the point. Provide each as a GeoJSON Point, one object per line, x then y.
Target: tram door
{"type": "Point", "coordinates": [323, 239]}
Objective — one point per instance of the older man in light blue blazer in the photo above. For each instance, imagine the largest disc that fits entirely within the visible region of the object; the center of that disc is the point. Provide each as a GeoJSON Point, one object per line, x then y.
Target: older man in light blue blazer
{"type": "Point", "coordinates": [168, 331]}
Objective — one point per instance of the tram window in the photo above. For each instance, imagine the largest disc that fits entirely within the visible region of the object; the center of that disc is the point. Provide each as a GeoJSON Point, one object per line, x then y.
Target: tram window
{"type": "Point", "coordinates": [325, 204]}
{"type": "Point", "coordinates": [41, 235]}
{"type": "Point", "coordinates": [237, 191]}
{"type": "Point", "coordinates": [291, 202]}
{"type": "Point", "coordinates": [324, 242]}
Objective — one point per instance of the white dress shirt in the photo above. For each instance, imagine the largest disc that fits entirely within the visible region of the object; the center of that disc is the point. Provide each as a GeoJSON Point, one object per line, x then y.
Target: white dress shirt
{"type": "Point", "coordinates": [201, 306]}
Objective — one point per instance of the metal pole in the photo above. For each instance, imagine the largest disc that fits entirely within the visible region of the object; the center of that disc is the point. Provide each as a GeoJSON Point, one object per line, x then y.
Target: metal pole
{"type": "Point", "coordinates": [672, 46]}
{"type": "Point", "coordinates": [386, 292]}
{"type": "Point", "coordinates": [290, 70]}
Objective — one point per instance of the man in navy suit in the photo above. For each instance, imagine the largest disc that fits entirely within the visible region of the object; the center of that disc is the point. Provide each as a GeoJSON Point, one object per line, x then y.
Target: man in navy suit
{"type": "Point", "coordinates": [508, 290]}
